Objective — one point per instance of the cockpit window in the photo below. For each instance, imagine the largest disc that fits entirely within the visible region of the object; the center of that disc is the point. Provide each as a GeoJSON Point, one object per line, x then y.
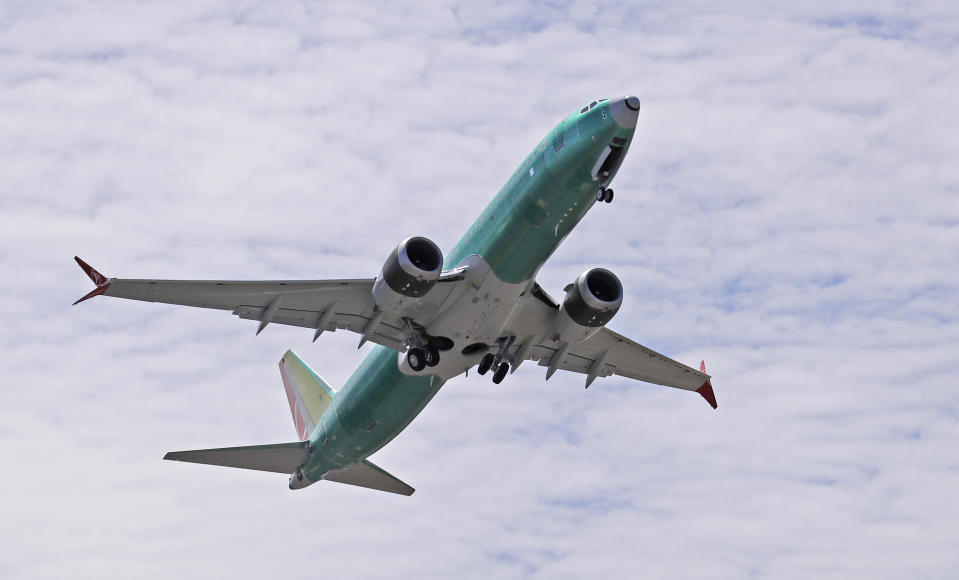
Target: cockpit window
{"type": "Point", "coordinates": [590, 106]}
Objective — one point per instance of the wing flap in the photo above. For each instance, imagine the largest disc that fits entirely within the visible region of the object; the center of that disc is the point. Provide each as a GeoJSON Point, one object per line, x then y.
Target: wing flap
{"type": "Point", "coordinates": [388, 333]}
{"type": "Point", "coordinates": [571, 361]}
{"type": "Point", "coordinates": [276, 458]}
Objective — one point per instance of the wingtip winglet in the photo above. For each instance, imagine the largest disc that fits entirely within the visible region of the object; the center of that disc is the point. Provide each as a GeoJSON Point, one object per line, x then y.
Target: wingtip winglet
{"type": "Point", "coordinates": [95, 292]}
{"type": "Point", "coordinates": [702, 366]}
{"type": "Point", "coordinates": [706, 391]}
{"type": "Point", "coordinates": [99, 279]}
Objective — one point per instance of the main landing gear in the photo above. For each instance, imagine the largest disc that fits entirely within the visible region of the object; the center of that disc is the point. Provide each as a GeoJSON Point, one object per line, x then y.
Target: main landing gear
{"type": "Point", "coordinates": [423, 350]}
{"type": "Point", "coordinates": [500, 373]}
{"type": "Point", "coordinates": [604, 194]}
{"type": "Point", "coordinates": [420, 358]}
{"type": "Point", "coordinates": [487, 363]}
{"type": "Point", "coordinates": [500, 361]}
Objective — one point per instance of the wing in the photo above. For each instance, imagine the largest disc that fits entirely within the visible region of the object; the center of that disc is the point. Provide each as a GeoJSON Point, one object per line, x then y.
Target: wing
{"type": "Point", "coordinates": [603, 354]}
{"type": "Point", "coordinates": [317, 304]}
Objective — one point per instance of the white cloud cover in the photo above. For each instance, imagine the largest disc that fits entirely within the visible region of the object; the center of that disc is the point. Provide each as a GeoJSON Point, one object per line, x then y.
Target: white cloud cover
{"type": "Point", "coordinates": [788, 212]}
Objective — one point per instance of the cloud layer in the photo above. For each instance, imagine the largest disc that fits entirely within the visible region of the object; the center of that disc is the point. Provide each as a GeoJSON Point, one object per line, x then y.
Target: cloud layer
{"type": "Point", "coordinates": [788, 212]}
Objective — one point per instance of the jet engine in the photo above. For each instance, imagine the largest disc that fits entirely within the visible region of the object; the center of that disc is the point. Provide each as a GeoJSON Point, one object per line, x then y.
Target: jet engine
{"type": "Point", "coordinates": [591, 301]}
{"type": "Point", "coordinates": [411, 270]}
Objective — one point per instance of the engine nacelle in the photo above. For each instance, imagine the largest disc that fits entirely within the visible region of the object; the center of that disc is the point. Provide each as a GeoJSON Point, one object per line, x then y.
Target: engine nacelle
{"type": "Point", "coordinates": [591, 301]}
{"type": "Point", "coordinates": [411, 270]}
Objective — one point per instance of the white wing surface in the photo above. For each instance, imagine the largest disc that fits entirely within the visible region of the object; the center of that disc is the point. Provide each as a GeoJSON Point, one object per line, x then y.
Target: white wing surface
{"type": "Point", "coordinates": [322, 305]}
{"type": "Point", "coordinates": [605, 353]}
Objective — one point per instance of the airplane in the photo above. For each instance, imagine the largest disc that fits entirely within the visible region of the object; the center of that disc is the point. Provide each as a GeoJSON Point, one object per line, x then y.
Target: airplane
{"type": "Point", "coordinates": [433, 318]}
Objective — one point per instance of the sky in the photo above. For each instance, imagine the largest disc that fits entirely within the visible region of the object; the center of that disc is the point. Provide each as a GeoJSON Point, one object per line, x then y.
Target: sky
{"type": "Point", "coordinates": [788, 211]}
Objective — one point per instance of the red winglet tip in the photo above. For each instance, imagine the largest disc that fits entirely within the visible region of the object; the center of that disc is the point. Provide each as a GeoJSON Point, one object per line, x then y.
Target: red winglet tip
{"type": "Point", "coordinates": [702, 366]}
{"type": "Point", "coordinates": [98, 278]}
{"type": "Point", "coordinates": [95, 292]}
{"type": "Point", "coordinates": [707, 393]}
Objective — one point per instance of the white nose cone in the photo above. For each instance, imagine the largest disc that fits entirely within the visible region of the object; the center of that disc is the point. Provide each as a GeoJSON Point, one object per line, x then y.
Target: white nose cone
{"type": "Point", "coordinates": [625, 111]}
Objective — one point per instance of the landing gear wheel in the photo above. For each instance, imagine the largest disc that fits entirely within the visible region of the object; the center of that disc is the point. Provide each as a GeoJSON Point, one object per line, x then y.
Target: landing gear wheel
{"type": "Point", "coordinates": [601, 194]}
{"type": "Point", "coordinates": [609, 196]}
{"type": "Point", "coordinates": [500, 373]}
{"type": "Point", "coordinates": [432, 356]}
{"type": "Point", "coordinates": [485, 364]}
{"type": "Point", "coordinates": [416, 359]}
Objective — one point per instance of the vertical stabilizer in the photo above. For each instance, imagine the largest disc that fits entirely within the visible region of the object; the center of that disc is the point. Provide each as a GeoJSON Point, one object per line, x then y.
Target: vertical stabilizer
{"type": "Point", "coordinates": [308, 394]}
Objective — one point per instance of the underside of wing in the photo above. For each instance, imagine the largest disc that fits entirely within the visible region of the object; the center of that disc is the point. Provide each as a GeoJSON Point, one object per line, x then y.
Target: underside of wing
{"type": "Point", "coordinates": [601, 355]}
{"type": "Point", "coordinates": [608, 353]}
{"type": "Point", "coordinates": [321, 305]}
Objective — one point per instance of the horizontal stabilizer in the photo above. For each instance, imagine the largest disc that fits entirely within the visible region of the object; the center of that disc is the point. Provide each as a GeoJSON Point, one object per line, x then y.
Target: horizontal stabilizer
{"type": "Point", "coordinates": [278, 458]}
{"type": "Point", "coordinates": [365, 474]}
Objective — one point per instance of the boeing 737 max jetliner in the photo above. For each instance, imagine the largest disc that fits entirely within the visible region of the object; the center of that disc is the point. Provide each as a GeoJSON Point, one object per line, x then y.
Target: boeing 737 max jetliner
{"type": "Point", "coordinates": [434, 318]}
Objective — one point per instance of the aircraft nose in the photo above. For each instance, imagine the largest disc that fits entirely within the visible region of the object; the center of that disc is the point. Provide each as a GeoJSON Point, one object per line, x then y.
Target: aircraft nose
{"type": "Point", "coordinates": [625, 111]}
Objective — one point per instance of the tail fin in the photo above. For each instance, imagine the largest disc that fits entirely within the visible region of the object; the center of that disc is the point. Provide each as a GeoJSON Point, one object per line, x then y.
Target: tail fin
{"type": "Point", "coordinates": [308, 394]}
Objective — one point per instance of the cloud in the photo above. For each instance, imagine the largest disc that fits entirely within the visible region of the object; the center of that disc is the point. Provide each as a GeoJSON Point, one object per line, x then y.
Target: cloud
{"type": "Point", "coordinates": [787, 212]}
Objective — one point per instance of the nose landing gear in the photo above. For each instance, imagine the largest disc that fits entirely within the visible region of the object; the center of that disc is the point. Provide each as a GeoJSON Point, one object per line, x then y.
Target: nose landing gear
{"type": "Point", "coordinates": [604, 194]}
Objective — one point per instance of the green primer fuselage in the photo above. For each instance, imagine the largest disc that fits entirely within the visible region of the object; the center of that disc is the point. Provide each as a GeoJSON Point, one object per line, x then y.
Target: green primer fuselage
{"type": "Point", "coordinates": [544, 199]}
